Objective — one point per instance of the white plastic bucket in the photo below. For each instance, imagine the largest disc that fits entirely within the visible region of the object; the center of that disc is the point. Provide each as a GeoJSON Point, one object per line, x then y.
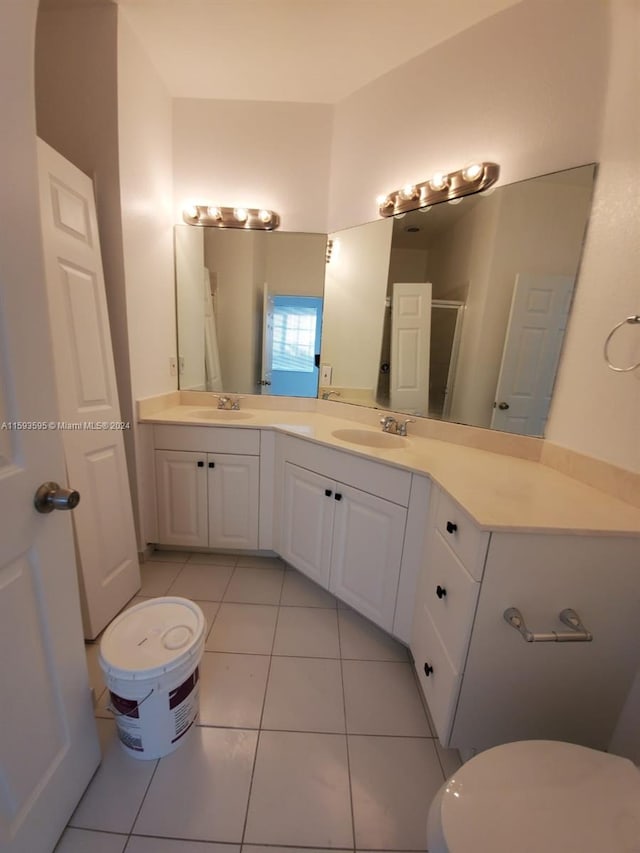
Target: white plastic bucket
{"type": "Point", "coordinates": [149, 655]}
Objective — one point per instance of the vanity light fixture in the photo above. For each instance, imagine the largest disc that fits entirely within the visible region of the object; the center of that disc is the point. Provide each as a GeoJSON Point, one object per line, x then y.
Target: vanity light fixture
{"type": "Point", "coordinates": [231, 217]}
{"type": "Point", "coordinates": [441, 186]}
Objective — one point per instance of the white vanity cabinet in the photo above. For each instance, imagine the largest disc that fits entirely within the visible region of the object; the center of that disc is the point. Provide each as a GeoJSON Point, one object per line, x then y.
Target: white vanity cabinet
{"type": "Point", "coordinates": [342, 522]}
{"type": "Point", "coordinates": [483, 683]}
{"type": "Point", "coordinates": [207, 485]}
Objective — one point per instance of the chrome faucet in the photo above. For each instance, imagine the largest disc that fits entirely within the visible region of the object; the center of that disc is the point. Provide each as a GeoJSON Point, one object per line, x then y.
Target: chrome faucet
{"type": "Point", "coordinates": [228, 403]}
{"type": "Point", "coordinates": [326, 395]}
{"type": "Point", "coordinates": [395, 427]}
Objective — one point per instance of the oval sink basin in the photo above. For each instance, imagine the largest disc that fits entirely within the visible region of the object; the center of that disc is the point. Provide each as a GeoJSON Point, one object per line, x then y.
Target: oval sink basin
{"type": "Point", "coordinates": [369, 438]}
{"type": "Point", "coordinates": [222, 414]}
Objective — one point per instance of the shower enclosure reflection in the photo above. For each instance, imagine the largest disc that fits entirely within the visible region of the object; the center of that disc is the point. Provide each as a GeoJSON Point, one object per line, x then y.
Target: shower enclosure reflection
{"type": "Point", "coordinates": [458, 312]}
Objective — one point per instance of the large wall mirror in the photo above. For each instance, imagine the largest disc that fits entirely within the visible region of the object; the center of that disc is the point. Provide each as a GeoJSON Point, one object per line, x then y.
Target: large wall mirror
{"type": "Point", "coordinates": [456, 312]}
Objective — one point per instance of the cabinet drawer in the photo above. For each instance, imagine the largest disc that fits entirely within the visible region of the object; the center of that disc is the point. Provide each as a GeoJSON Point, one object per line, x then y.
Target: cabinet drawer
{"type": "Point", "coordinates": [462, 535]}
{"type": "Point", "coordinates": [207, 439]}
{"type": "Point", "coordinates": [450, 595]}
{"type": "Point", "coordinates": [441, 686]}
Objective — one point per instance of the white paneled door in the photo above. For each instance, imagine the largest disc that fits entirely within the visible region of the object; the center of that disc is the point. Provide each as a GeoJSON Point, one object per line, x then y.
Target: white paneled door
{"type": "Point", "coordinates": [537, 323]}
{"type": "Point", "coordinates": [87, 394]}
{"type": "Point", "coordinates": [410, 347]}
{"type": "Point", "coordinates": [48, 743]}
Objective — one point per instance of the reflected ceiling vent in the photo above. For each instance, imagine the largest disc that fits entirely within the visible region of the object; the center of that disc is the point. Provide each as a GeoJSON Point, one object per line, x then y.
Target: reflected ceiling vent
{"type": "Point", "coordinates": [412, 229]}
{"type": "Point", "coordinates": [441, 186]}
{"type": "Point", "coordinates": [248, 219]}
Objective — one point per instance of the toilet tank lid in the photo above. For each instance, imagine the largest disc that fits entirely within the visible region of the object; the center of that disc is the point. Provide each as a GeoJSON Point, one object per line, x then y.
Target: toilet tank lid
{"type": "Point", "coordinates": [542, 795]}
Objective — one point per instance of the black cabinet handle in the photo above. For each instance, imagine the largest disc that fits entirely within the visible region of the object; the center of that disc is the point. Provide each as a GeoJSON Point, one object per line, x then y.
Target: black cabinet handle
{"type": "Point", "coordinates": [441, 591]}
{"type": "Point", "coordinates": [200, 463]}
{"type": "Point", "coordinates": [212, 464]}
{"type": "Point", "coordinates": [451, 527]}
{"type": "Point", "coordinates": [328, 492]}
{"type": "Point", "coordinates": [428, 669]}
{"type": "Point", "coordinates": [338, 496]}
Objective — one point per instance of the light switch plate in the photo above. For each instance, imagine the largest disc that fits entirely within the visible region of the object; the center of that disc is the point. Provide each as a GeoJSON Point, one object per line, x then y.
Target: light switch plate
{"type": "Point", "coordinates": [325, 374]}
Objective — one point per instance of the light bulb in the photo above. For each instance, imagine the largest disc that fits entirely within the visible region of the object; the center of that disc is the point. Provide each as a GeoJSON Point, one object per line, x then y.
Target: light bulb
{"type": "Point", "coordinates": [214, 212]}
{"type": "Point", "coordinates": [439, 181]}
{"type": "Point", "coordinates": [407, 192]}
{"type": "Point", "coordinates": [472, 172]}
{"type": "Point", "coordinates": [241, 214]}
{"type": "Point", "coordinates": [455, 200]}
{"type": "Point", "coordinates": [425, 209]}
{"type": "Point", "coordinates": [384, 201]}
{"type": "Point", "coordinates": [191, 212]}
{"type": "Point", "coordinates": [265, 216]}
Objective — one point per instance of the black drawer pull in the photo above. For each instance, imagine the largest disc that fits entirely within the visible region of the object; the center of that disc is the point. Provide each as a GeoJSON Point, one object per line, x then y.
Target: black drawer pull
{"type": "Point", "coordinates": [212, 464]}
{"type": "Point", "coordinates": [451, 527]}
{"type": "Point", "coordinates": [338, 496]}
{"type": "Point", "coordinates": [328, 492]}
{"type": "Point", "coordinates": [428, 669]}
{"type": "Point", "coordinates": [441, 591]}
{"type": "Point", "coordinates": [200, 463]}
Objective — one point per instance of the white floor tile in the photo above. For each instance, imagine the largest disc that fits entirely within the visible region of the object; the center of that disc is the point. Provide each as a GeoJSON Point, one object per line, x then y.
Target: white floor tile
{"type": "Point", "coordinates": [140, 844]}
{"type": "Point", "coordinates": [393, 781]}
{"type": "Point", "coordinates": [300, 792]}
{"type": "Point", "coordinates": [169, 556]}
{"type": "Point", "coordinates": [86, 841]}
{"type": "Point", "coordinates": [244, 628]}
{"type": "Point", "coordinates": [202, 582]}
{"type": "Point", "coordinates": [115, 793]}
{"type": "Point", "coordinates": [362, 640]}
{"type": "Point", "coordinates": [232, 689]}
{"type": "Point", "coordinates": [157, 577]}
{"type": "Point", "coordinates": [255, 586]}
{"type": "Point", "coordinates": [200, 791]}
{"type": "Point", "coordinates": [208, 559]}
{"type": "Point", "coordinates": [301, 592]}
{"type": "Point", "coordinates": [307, 632]}
{"type": "Point", "coordinates": [249, 561]}
{"type": "Point", "coordinates": [257, 848]}
{"type": "Point", "coordinates": [450, 760]}
{"type": "Point", "coordinates": [381, 698]}
{"type": "Point", "coordinates": [304, 694]}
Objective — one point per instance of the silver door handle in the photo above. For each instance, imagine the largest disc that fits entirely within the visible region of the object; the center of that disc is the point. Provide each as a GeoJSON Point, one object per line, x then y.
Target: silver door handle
{"type": "Point", "coordinates": [52, 496]}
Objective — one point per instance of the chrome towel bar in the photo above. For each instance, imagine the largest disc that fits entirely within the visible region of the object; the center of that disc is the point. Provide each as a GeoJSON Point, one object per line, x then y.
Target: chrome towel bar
{"type": "Point", "coordinates": [568, 617]}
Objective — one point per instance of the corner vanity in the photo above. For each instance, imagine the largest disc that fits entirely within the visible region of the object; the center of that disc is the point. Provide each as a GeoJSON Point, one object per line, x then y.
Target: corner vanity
{"type": "Point", "coordinates": [431, 540]}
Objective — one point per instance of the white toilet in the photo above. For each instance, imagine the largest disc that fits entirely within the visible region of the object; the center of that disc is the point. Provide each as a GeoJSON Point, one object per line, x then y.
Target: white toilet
{"type": "Point", "coordinates": [538, 796]}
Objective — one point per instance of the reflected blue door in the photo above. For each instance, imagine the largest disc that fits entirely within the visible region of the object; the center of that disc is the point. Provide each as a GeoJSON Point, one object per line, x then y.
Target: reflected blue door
{"type": "Point", "coordinates": [297, 326]}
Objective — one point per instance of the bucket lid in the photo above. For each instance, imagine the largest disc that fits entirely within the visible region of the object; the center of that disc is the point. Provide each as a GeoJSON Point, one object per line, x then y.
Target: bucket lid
{"type": "Point", "coordinates": [543, 795]}
{"type": "Point", "coordinates": [152, 638]}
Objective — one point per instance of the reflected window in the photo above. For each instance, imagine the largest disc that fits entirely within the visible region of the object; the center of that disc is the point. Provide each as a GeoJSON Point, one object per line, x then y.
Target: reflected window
{"type": "Point", "coordinates": [294, 337]}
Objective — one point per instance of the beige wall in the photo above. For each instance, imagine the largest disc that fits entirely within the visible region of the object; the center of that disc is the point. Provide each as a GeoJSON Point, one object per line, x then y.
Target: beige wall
{"type": "Point", "coordinates": [354, 315]}
{"type": "Point", "coordinates": [254, 154]}
{"type": "Point", "coordinates": [523, 88]}
{"type": "Point", "coordinates": [295, 264]}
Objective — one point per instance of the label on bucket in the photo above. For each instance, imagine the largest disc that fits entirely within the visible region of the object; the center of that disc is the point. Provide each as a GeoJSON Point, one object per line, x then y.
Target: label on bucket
{"type": "Point", "coordinates": [183, 701]}
{"type": "Point", "coordinates": [151, 726]}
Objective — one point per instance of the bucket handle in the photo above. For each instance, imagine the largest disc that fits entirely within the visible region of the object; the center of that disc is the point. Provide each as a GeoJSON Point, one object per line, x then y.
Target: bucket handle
{"type": "Point", "coordinates": [117, 713]}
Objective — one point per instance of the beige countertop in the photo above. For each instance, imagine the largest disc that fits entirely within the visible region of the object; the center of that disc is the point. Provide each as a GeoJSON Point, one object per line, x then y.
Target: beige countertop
{"type": "Point", "coordinates": [499, 491]}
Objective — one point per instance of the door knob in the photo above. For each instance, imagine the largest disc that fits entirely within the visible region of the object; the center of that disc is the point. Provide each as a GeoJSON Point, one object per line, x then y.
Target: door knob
{"type": "Point", "coordinates": [51, 496]}
{"type": "Point", "coordinates": [503, 406]}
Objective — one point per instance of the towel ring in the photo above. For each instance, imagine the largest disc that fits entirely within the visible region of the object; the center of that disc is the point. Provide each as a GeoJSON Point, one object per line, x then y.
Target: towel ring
{"type": "Point", "coordinates": [634, 318]}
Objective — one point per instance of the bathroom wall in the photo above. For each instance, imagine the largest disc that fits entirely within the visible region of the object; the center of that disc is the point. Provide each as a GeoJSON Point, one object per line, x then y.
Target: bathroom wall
{"type": "Point", "coordinates": [354, 315]}
{"type": "Point", "coordinates": [533, 88]}
{"type": "Point", "coordinates": [523, 88]}
{"type": "Point", "coordinates": [256, 154]}
{"type": "Point", "coordinates": [146, 189]}
{"type": "Point", "coordinates": [594, 410]}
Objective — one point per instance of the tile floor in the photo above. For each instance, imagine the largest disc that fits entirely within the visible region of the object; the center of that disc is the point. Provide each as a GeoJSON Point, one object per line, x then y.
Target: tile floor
{"type": "Point", "coordinates": [311, 734]}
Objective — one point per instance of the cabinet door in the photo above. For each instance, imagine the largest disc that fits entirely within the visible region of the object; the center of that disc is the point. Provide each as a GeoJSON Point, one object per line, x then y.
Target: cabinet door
{"type": "Point", "coordinates": [307, 522]}
{"type": "Point", "coordinates": [234, 482]}
{"type": "Point", "coordinates": [182, 498]}
{"type": "Point", "coordinates": [368, 535]}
